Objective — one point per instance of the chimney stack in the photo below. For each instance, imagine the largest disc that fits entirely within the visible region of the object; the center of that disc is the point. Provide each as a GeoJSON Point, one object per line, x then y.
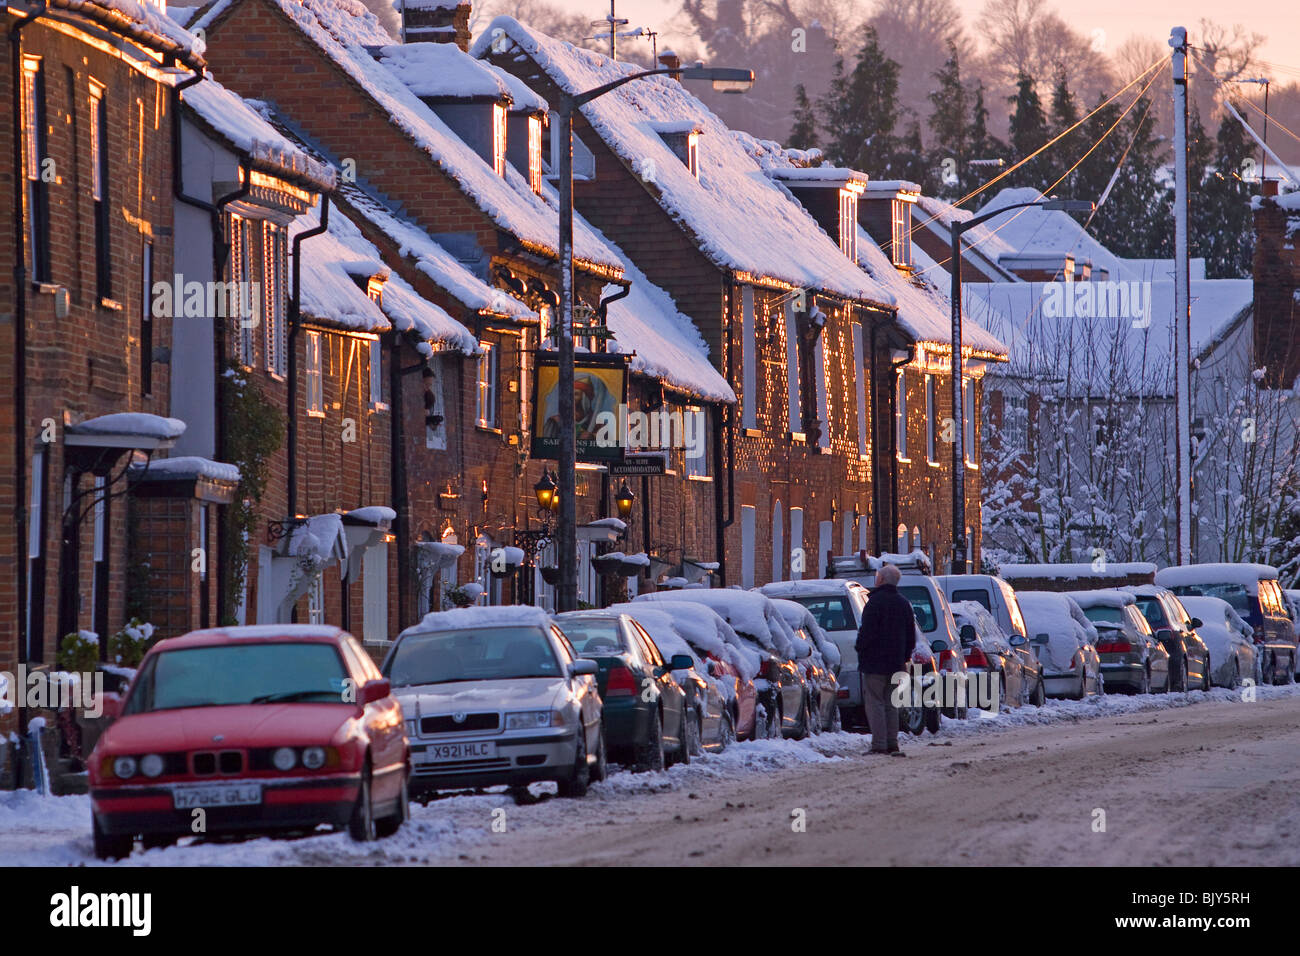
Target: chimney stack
{"type": "Point", "coordinates": [436, 21]}
{"type": "Point", "coordinates": [1276, 274]}
{"type": "Point", "coordinates": [669, 60]}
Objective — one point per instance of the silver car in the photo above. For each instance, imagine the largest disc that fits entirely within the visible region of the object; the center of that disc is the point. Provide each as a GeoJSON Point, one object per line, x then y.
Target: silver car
{"type": "Point", "coordinates": [1131, 657]}
{"type": "Point", "coordinates": [496, 695]}
{"type": "Point", "coordinates": [1229, 639]}
{"type": "Point", "coordinates": [1066, 643]}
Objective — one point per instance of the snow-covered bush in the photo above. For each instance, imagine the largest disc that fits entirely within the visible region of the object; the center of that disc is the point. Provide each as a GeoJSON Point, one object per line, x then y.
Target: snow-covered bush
{"type": "Point", "coordinates": [128, 645]}
{"type": "Point", "coordinates": [79, 652]}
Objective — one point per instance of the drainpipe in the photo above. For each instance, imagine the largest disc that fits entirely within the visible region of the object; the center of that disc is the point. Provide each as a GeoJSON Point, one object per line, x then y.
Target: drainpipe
{"type": "Point", "coordinates": [20, 351]}
{"type": "Point", "coordinates": [295, 313]}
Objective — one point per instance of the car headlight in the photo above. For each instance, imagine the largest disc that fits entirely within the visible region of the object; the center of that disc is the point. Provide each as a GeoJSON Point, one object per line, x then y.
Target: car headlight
{"type": "Point", "coordinates": [284, 758]}
{"type": "Point", "coordinates": [313, 758]}
{"type": "Point", "coordinates": [532, 719]}
{"type": "Point", "coordinates": [124, 767]}
{"type": "Point", "coordinates": [151, 765]}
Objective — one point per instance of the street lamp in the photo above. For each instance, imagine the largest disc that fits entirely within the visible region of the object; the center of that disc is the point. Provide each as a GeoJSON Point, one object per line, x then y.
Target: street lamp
{"type": "Point", "coordinates": [624, 500]}
{"type": "Point", "coordinates": [725, 81]}
{"type": "Point", "coordinates": [956, 227]}
{"type": "Point", "coordinates": [545, 492]}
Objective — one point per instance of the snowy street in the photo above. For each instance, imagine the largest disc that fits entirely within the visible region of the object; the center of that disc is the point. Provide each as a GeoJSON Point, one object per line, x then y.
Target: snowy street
{"type": "Point", "coordinates": [1191, 779]}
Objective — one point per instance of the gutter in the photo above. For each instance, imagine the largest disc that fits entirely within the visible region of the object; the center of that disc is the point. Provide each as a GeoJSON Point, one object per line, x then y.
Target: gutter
{"type": "Point", "coordinates": [20, 347]}
{"type": "Point", "coordinates": [295, 314]}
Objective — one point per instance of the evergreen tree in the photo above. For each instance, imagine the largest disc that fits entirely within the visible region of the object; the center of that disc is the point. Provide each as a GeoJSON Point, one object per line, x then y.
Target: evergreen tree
{"type": "Point", "coordinates": [1229, 230]}
{"type": "Point", "coordinates": [1200, 167]}
{"type": "Point", "coordinates": [948, 174]}
{"type": "Point", "coordinates": [984, 147]}
{"type": "Point", "coordinates": [860, 110]}
{"type": "Point", "coordinates": [1028, 132]}
{"type": "Point", "coordinates": [1136, 220]}
{"type": "Point", "coordinates": [1066, 151]}
{"type": "Point", "coordinates": [804, 133]}
{"type": "Point", "coordinates": [909, 159]}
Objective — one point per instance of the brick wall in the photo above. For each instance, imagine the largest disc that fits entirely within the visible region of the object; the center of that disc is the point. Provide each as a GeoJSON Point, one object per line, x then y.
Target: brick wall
{"type": "Point", "coordinates": [1276, 272]}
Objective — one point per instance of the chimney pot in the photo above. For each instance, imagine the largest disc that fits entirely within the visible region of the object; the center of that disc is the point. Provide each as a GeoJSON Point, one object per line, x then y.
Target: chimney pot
{"type": "Point", "coordinates": [671, 61]}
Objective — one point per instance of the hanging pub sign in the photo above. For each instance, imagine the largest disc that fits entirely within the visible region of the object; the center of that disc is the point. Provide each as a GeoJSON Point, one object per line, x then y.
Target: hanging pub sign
{"type": "Point", "coordinates": [599, 395]}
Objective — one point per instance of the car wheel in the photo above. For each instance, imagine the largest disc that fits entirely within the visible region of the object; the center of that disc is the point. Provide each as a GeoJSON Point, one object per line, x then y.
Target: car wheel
{"type": "Point", "coordinates": [837, 721]}
{"type": "Point", "coordinates": [1145, 686]}
{"type": "Point", "coordinates": [911, 719]}
{"type": "Point", "coordinates": [931, 719]}
{"type": "Point", "coordinates": [115, 846]}
{"type": "Point", "coordinates": [650, 755]}
{"type": "Point", "coordinates": [775, 721]}
{"type": "Point", "coordinates": [1182, 677]}
{"type": "Point", "coordinates": [691, 734]}
{"type": "Point", "coordinates": [579, 779]}
{"type": "Point", "coordinates": [805, 721]}
{"type": "Point", "coordinates": [728, 730]}
{"type": "Point", "coordinates": [1039, 697]}
{"type": "Point", "coordinates": [1205, 676]}
{"type": "Point", "coordinates": [387, 826]}
{"type": "Point", "coordinates": [600, 769]}
{"type": "Point", "coordinates": [1236, 674]}
{"type": "Point", "coordinates": [1290, 671]}
{"type": "Point", "coordinates": [158, 841]}
{"type": "Point", "coordinates": [362, 825]}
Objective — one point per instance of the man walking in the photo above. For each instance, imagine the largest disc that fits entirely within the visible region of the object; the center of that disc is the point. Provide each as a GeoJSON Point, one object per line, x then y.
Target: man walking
{"type": "Point", "coordinates": [884, 644]}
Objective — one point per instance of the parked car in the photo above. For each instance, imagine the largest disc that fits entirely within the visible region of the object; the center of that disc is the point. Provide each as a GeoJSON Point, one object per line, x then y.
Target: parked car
{"type": "Point", "coordinates": [999, 599]}
{"type": "Point", "coordinates": [646, 711]}
{"type": "Point", "coordinates": [933, 615]}
{"type": "Point", "coordinates": [709, 714]}
{"type": "Point", "coordinates": [497, 695]}
{"type": "Point", "coordinates": [915, 715]}
{"type": "Point", "coordinates": [1230, 640]}
{"type": "Point", "coordinates": [1175, 629]}
{"type": "Point", "coordinates": [265, 728]}
{"type": "Point", "coordinates": [820, 664]}
{"type": "Point", "coordinates": [724, 652]}
{"type": "Point", "coordinates": [837, 606]}
{"type": "Point", "coordinates": [1066, 643]}
{"type": "Point", "coordinates": [1253, 592]}
{"type": "Point", "coordinates": [988, 650]}
{"type": "Point", "coordinates": [782, 693]}
{"type": "Point", "coordinates": [1131, 657]}
{"type": "Point", "coordinates": [1292, 600]}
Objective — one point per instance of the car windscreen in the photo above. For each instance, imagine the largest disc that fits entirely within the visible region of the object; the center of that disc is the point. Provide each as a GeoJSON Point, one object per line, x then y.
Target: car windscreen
{"type": "Point", "coordinates": [978, 595]}
{"type": "Point", "coordinates": [1153, 611]}
{"type": "Point", "coordinates": [226, 675]}
{"type": "Point", "coordinates": [1234, 594]}
{"type": "Point", "coordinates": [481, 653]}
{"type": "Point", "coordinates": [832, 612]}
{"type": "Point", "coordinates": [1109, 615]}
{"type": "Point", "coordinates": [922, 607]}
{"type": "Point", "coordinates": [592, 638]}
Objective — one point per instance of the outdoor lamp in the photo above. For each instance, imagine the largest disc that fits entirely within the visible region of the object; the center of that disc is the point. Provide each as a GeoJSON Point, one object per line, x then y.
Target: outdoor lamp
{"type": "Point", "coordinates": [545, 491]}
{"type": "Point", "coordinates": [624, 500]}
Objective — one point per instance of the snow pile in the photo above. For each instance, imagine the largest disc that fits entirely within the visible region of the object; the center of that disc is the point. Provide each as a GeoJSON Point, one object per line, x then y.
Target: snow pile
{"type": "Point", "coordinates": [751, 615]}
{"type": "Point", "coordinates": [373, 514]}
{"type": "Point", "coordinates": [704, 629]}
{"type": "Point", "coordinates": [721, 208]}
{"type": "Point", "coordinates": [133, 424]}
{"type": "Point", "coordinates": [185, 467]}
{"type": "Point", "coordinates": [442, 70]}
{"type": "Point", "coordinates": [1062, 620]}
{"type": "Point", "coordinates": [318, 539]}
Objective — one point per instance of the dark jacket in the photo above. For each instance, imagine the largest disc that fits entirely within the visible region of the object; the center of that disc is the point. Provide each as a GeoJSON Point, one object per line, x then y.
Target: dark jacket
{"type": "Point", "coordinates": [888, 632]}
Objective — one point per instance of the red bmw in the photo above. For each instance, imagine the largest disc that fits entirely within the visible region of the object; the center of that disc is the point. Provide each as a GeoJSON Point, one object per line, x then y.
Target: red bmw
{"type": "Point", "coordinates": [247, 730]}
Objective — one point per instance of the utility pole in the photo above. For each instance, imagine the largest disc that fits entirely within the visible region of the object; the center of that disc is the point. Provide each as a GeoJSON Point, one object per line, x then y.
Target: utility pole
{"type": "Point", "coordinates": [1182, 300]}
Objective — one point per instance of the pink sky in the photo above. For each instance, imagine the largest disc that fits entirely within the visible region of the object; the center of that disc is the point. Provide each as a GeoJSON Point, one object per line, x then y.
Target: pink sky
{"type": "Point", "coordinates": [1277, 21]}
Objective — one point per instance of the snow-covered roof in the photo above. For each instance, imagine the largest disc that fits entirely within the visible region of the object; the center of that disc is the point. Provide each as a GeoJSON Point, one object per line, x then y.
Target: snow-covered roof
{"type": "Point", "coordinates": [148, 428]}
{"type": "Point", "coordinates": [1247, 575]}
{"type": "Point", "coordinates": [185, 467]}
{"type": "Point", "coordinates": [514, 615]}
{"type": "Point", "coordinates": [738, 217]}
{"type": "Point", "coordinates": [981, 246]}
{"type": "Point", "coordinates": [135, 16]}
{"type": "Point", "coordinates": [1128, 351]}
{"type": "Point", "coordinates": [229, 116]}
{"type": "Point", "coordinates": [371, 514]}
{"type": "Point", "coordinates": [442, 70]}
{"type": "Point", "coordinates": [344, 30]}
{"type": "Point", "coordinates": [330, 293]}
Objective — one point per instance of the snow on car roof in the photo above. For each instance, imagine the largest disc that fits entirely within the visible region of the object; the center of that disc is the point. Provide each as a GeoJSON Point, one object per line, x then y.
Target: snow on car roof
{"type": "Point", "coordinates": [810, 587]}
{"type": "Point", "coordinates": [1247, 575]}
{"type": "Point", "coordinates": [702, 627]}
{"type": "Point", "coordinates": [749, 613]}
{"type": "Point", "coordinates": [259, 632]}
{"type": "Point", "coordinates": [513, 615]}
{"type": "Point", "coordinates": [1067, 571]}
{"type": "Point", "coordinates": [1109, 597]}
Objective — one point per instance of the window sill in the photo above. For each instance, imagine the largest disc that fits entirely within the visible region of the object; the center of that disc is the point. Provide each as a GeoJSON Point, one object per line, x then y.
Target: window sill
{"type": "Point", "coordinates": [797, 436]}
{"type": "Point", "coordinates": [708, 478]}
{"type": "Point", "coordinates": [753, 433]}
{"type": "Point", "coordinates": [379, 406]}
{"type": "Point", "coordinates": [488, 429]}
{"type": "Point", "coordinates": [903, 459]}
{"type": "Point", "coordinates": [932, 463]}
{"type": "Point", "coordinates": [311, 413]}
{"type": "Point", "coordinates": [111, 304]}
{"type": "Point", "coordinates": [824, 450]}
{"type": "Point", "coordinates": [972, 466]}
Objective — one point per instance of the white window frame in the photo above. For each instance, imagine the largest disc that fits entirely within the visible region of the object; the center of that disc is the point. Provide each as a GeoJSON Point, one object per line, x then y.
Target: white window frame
{"type": "Point", "coordinates": [969, 413]}
{"type": "Point", "coordinates": [377, 402]}
{"type": "Point", "coordinates": [931, 410]}
{"type": "Point", "coordinates": [902, 536]}
{"type": "Point", "coordinates": [849, 224]}
{"type": "Point", "coordinates": [793, 393]}
{"type": "Point", "coordinates": [823, 404]}
{"type": "Point", "coordinates": [860, 388]}
{"type": "Point", "coordinates": [313, 375]}
{"type": "Point", "coordinates": [275, 339]}
{"type": "Point", "coordinates": [240, 269]}
{"type": "Point", "coordinates": [535, 154]}
{"type": "Point", "coordinates": [697, 467]}
{"type": "Point", "coordinates": [485, 392]}
{"type": "Point", "coordinates": [901, 233]}
{"type": "Point", "coordinates": [748, 360]}
{"type": "Point", "coordinates": [900, 415]}
{"type": "Point", "coordinates": [693, 153]}
{"type": "Point", "coordinates": [499, 139]}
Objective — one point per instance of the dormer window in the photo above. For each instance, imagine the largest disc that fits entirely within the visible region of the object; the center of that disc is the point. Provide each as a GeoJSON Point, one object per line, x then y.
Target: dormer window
{"type": "Point", "coordinates": [535, 154]}
{"type": "Point", "coordinates": [901, 233]}
{"type": "Point", "coordinates": [849, 223]}
{"type": "Point", "coordinates": [499, 139]}
{"type": "Point", "coordinates": [683, 140]}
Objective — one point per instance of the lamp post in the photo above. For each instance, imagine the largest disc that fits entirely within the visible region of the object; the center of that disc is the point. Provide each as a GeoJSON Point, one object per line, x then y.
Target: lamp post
{"type": "Point", "coordinates": [960, 545]}
{"type": "Point", "coordinates": [725, 81]}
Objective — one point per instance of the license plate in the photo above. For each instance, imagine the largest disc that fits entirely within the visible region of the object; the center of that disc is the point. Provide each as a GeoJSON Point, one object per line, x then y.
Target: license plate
{"type": "Point", "coordinates": [217, 795]}
{"type": "Point", "coordinates": [439, 753]}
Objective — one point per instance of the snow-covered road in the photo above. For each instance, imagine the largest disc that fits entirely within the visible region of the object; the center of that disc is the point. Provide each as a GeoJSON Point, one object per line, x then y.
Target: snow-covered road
{"type": "Point", "coordinates": [1182, 778]}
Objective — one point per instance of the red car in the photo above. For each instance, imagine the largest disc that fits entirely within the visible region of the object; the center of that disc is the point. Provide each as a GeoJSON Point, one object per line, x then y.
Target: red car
{"type": "Point", "coordinates": [250, 730]}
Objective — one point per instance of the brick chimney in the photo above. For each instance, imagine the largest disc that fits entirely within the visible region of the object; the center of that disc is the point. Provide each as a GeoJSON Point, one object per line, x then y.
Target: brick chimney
{"type": "Point", "coordinates": [436, 21]}
{"type": "Point", "coordinates": [1276, 272]}
{"type": "Point", "coordinates": [669, 60]}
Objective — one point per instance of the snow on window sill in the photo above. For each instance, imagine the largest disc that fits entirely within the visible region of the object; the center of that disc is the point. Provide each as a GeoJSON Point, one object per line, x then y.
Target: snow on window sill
{"type": "Point", "coordinates": [796, 436]}
{"type": "Point", "coordinates": [315, 413]}
{"type": "Point", "coordinates": [489, 429]}
{"type": "Point", "coordinates": [111, 304]}
{"type": "Point", "coordinates": [753, 433]}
